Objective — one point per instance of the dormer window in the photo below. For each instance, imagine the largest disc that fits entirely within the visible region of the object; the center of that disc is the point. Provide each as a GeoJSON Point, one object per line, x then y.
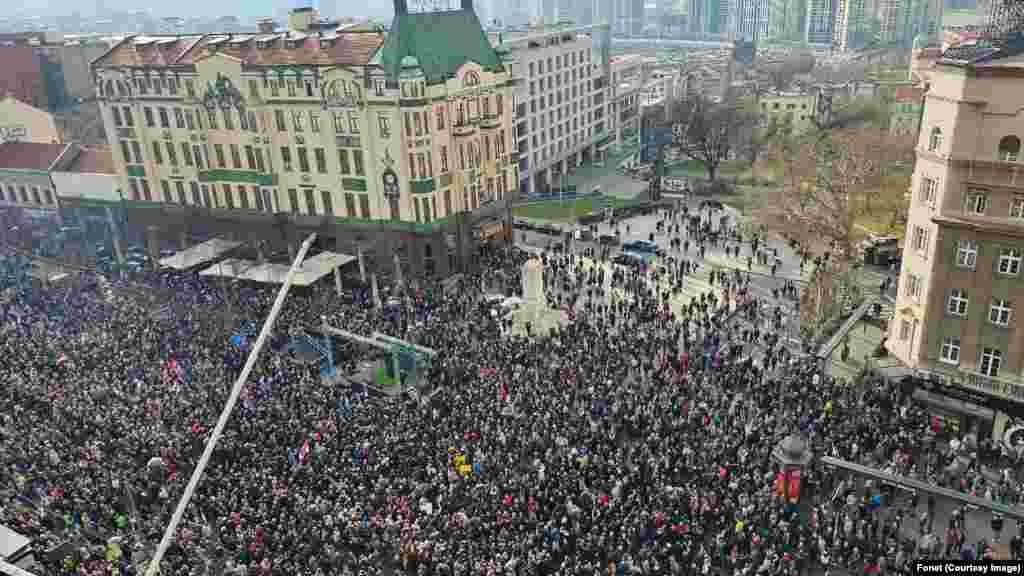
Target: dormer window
{"type": "Point", "coordinates": [1009, 149]}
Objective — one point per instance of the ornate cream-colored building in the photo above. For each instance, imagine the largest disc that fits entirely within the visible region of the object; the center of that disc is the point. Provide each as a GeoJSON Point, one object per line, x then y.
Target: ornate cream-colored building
{"type": "Point", "coordinates": [398, 141]}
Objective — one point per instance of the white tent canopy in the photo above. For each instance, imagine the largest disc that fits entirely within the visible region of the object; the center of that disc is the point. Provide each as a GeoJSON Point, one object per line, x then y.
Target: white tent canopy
{"type": "Point", "coordinates": [12, 544]}
{"type": "Point", "coordinates": [199, 254]}
{"type": "Point", "coordinates": [313, 269]}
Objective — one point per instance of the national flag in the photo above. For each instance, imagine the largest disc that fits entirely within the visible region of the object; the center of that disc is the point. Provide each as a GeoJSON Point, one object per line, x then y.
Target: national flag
{"type": "Point", "coordinates": [304, 451]}
{"type": "Point", "coordinates": [61, 359]}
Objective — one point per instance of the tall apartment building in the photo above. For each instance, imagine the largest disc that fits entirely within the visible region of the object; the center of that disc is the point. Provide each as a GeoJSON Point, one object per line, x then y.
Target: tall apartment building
{"type": "Point", "coordinates": [703, 16]}
{"type": "Point", "coordinates": [961, 279]}
{"type": "Point", "coordinates": [751, 20]}
{"type": "Point", "coordinates": [786, 19]}
{"type": "Point", "coordinates": [818, 21]}
{"type": "Point", "coordinates": [895, 17]}
{"type": "Point", "coordinates": [559, 102]}
{"type": "Point", "coordinates": [848, 25]}
{"type": "Point", "coordinates": [397, 143]}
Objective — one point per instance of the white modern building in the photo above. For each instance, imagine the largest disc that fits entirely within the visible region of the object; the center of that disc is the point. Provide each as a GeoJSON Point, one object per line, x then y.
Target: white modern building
{"type": "Point", "coordinates": [562, 113]}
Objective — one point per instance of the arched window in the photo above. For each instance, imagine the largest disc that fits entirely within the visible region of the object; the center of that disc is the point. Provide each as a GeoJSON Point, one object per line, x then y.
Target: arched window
{"type": "Point", "coordinates": [935, 139]}
{"type": "Point", "coordinates": [110, 89]}
{"type": "Point", "coordinates": [471, 79]}
{"type": "Point", "coordinates": [1009, 149]}
{"type": "Point", "coordinates": [120, 88]}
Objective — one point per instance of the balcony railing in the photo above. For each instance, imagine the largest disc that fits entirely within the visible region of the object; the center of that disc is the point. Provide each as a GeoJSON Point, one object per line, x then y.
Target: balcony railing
{"type": "Point", "coordinates": [423, 186]}
{"type": "Point", "coordinates": [241, 176]}
{"type": "Point", "coordinates": [490, 121]}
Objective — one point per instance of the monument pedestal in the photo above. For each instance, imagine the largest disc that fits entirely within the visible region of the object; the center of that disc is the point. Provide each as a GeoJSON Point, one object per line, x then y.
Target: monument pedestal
{"type": "Point", "coordinates": [534, 311]}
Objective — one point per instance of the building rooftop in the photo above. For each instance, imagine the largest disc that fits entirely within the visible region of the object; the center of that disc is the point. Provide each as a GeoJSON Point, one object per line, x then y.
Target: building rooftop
{"type": "Point", "coordinates": [355, 46]}
{"type": "Point", "coordinates": [440, 42]}
{"type": "Point", "coordinates": [984, 52]}
{"type": "Point", "coordinates": [29, 155]}
{"type": "Point", "coordinates": [97, 160]}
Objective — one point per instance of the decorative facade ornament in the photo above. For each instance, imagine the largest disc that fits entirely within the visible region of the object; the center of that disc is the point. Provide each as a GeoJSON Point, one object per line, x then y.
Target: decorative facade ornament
{"type": "Point", "coordinates": [391, 186]}
{"type": "Point", "coordinates": [420, 6]}
{"type": "Point", "coordinates": [387, 159]}
{"type": "Point", "coordinates": [222, 93]}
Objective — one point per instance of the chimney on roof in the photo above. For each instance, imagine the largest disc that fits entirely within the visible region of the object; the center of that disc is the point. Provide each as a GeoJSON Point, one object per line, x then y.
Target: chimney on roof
{"type": "Point", "coordinates": [467, 5]}
{"type": "Point", "coordinates": [401, 7]}
{"type": "Point", "coordinates": [265, 25]}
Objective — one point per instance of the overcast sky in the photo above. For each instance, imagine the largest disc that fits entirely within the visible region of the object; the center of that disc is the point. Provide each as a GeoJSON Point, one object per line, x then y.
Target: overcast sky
{"type": "Point", "coordinates": [246, 11]}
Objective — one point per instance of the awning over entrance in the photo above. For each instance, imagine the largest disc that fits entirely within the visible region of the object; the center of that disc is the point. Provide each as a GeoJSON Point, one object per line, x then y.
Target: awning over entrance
{"type": "Point", "coordinates": [313, 269]}
{"type": "Point", "coordinates": [199, 254]}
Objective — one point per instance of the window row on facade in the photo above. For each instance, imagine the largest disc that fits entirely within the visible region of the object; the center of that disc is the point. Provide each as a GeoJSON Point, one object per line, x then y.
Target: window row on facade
{"type": "Point", "coordinates": [300, 121]}
{"type": "Point", "coordinates": [557, 62]}
{"type": "Point", "coordinates": [1008, 149]}
{"type": "Point", "coordinates": [308, 201]}
{"type": "Point", "coordinates": [1006, 262]}
{"type": "Point", "coordinates": [22, 194]}
{"type": "Point", "coordinates": [350, 162]}
{"type": "Point", "coordinates": [989, 361]}
{"type": "Point", "coordinates": [276, 86]}
{"type": "Point", "coordinates": [975, 201]}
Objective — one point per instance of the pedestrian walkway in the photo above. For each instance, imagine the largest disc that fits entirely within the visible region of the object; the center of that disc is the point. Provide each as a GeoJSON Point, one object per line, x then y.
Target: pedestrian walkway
{"type": "Point", "coordinates": [693, 286]}
{"type": "Point", "coordinates": [863, 340]}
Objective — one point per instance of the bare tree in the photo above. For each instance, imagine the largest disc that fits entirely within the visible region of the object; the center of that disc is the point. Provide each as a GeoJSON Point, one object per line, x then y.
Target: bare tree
{"type": "Point", "coordinates": [709, 131]}
{"type": "Point", "coordinates": [830, 178]}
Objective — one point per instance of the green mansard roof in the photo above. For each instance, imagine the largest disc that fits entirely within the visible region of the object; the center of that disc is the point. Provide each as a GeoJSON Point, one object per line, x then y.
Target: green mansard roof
{"type": "Point", "coordinates": [440, 42]}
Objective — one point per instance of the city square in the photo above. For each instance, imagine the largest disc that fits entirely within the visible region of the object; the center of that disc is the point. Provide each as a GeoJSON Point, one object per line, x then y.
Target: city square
{"type": "Point", "coordinates": [574, 289]}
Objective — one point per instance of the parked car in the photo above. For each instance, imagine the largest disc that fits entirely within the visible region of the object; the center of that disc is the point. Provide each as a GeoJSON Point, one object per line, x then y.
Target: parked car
{"type": "Point", "coordinates": [608, 239]}
{"type": "Point", "coordinates": [583, 234]}
{"type": "Point", "coordinates": [626, 260]}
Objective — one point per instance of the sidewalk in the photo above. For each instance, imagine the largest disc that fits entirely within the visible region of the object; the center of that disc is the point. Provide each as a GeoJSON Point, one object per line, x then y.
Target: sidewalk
{"type": "Point", "coordinates": [864, 339]}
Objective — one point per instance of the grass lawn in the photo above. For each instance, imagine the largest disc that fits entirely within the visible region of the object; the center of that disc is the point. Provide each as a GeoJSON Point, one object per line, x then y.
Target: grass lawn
{"type": "Point", "coordinates": [695, 168]}
{"type": "Point", "coordinates": [739, 169]}
{"type": "Point", "coordinates": [747, 199]}
{"type": "Point", "coordinates": [567, 211]}
{"type": "Point", "coordinates": [879, 216]}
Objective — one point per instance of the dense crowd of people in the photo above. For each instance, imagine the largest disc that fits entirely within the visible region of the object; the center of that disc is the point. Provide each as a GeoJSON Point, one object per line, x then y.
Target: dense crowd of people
{"type": "Point", "coordinates": [636, 439]}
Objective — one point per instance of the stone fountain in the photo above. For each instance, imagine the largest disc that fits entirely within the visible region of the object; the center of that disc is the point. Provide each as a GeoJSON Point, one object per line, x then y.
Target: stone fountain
{"type": "Point", "coordinates": [534, 310]}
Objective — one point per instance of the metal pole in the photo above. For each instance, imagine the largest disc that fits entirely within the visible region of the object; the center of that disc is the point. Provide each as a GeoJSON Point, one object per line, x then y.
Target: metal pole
{"type": "Point", "coordinates": [914, 484]}
{"type": "Point", "coordinates": [13, 570]}
{"type": "Point", "coordinates": [197, 474]}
